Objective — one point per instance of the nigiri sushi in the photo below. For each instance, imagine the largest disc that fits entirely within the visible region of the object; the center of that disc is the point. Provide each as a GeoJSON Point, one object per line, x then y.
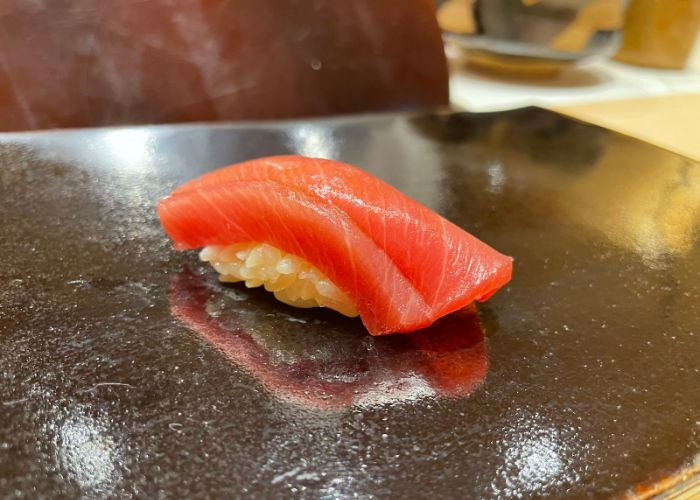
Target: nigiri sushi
{"type": "Point", "coordinates": [318, 232]}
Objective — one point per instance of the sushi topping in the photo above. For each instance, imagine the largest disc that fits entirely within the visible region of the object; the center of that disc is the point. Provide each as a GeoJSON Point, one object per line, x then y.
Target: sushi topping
{"type": "Point", "coordinates": [292, 279]}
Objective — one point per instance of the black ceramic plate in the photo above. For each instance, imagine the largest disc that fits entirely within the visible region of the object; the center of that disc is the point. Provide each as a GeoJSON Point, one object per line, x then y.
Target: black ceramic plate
{"type": "Point", "coordinates": [127, 369]}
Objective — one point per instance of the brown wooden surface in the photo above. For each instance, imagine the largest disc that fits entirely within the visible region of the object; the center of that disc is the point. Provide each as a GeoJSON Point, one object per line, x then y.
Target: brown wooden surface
{"type": "Point", "coordinates": [667, 121]}
{"type": "Point", "coordinates": [76, 63]}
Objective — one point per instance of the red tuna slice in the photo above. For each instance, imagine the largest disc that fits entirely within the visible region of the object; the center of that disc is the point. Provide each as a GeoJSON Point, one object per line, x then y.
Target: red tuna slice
{"type": "Point", "coordinates": [402, 264]}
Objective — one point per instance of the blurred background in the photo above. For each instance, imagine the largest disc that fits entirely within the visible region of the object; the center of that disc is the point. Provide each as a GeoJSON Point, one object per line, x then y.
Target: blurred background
{"type": "Point", "coordinates": [633, 66]}
{"type": "Point", "coordinates": [630, 65]}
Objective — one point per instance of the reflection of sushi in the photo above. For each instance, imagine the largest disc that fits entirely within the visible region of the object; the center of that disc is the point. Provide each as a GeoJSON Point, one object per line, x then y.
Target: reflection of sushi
{"type": "Point", "coordinates": [305, 365]}
{"type": "Point", "coordinates": [321, 233]}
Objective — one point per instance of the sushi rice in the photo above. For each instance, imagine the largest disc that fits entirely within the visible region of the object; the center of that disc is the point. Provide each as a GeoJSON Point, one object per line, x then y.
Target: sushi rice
{"type": "Point", "coordinates": [292, 279]}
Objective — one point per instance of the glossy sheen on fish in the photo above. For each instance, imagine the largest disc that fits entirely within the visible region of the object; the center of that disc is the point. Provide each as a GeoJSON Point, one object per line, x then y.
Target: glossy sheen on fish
{"type": "Point", "coordinates": [403, 265]}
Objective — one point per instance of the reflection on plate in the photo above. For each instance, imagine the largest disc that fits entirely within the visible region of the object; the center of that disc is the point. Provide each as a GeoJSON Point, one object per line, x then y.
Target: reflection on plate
{"type": "Point", "coordinates": [320, 361]}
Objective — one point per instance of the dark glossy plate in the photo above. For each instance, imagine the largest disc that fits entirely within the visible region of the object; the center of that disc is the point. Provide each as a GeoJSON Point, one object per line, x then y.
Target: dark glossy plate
{"type": "Point", "coordinates": [128, 370]}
